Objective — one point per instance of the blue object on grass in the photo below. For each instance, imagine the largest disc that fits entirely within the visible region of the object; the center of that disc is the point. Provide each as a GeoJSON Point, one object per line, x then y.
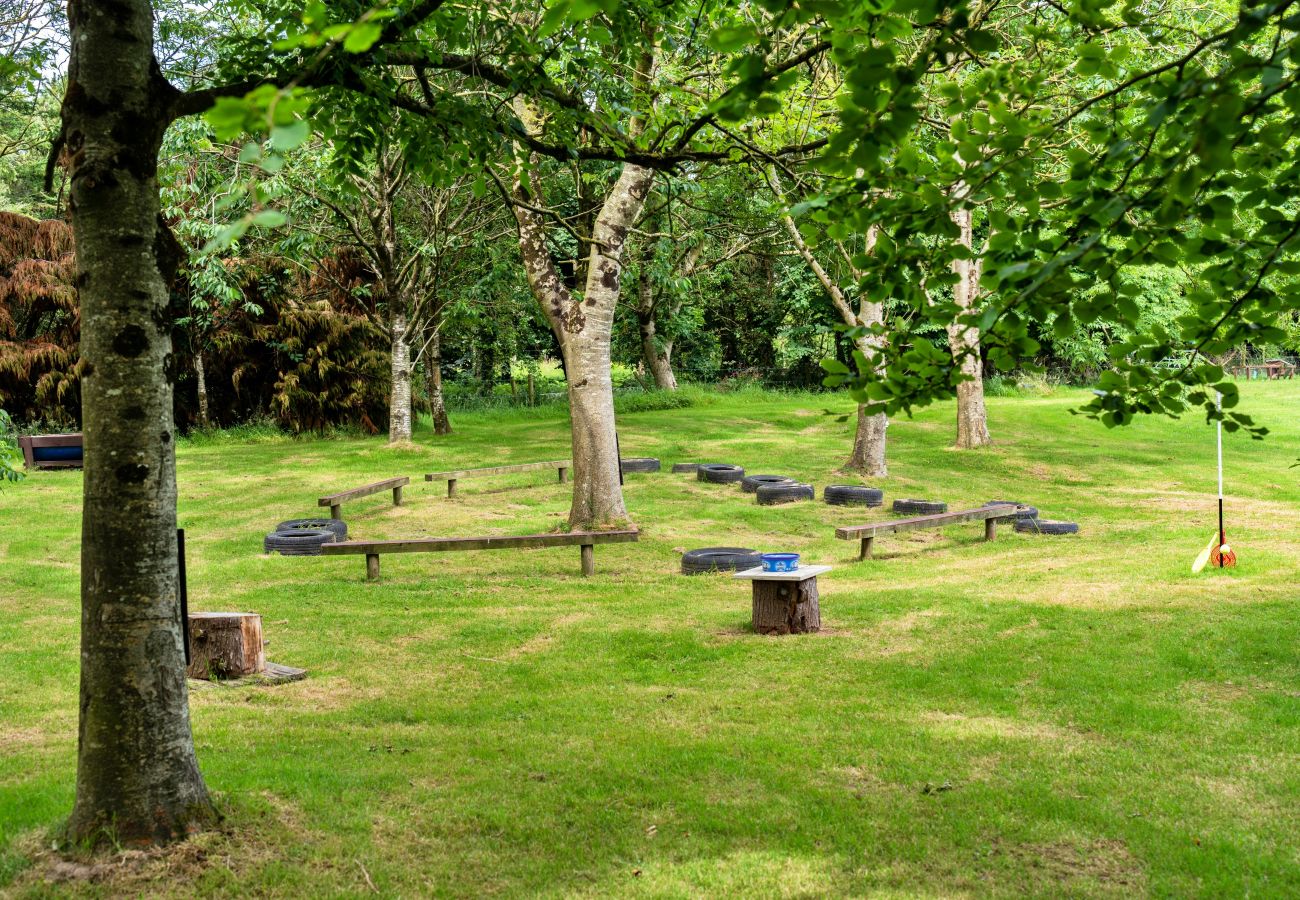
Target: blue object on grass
{"type": "Point", "coordinates": [55, 454]}
{"type": "Point", "coordinates": [780, 562]}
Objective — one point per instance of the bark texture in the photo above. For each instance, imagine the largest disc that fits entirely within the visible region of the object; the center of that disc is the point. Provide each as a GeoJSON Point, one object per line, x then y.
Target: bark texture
{"type": "Point", "coordinates": [201, 382]}
{"type": "Point", "coordinates": [138, 779]}
{"type": "Point", "coordinates": [583, 326]}
{"type": "Point", "coordinates": [399, 404]}
{"type": "Point", "coordinates": [786, 607]}
{"type": "Point", "coordinates": [964, 342]}
{"type": "Point", "coordinates": [438, 402]}
{"type": "Point", "coordinates": [225, 645]}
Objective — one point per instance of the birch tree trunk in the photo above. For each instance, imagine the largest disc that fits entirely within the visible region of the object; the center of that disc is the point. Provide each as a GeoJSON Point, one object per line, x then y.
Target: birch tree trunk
{"type": "Point", "coordinates": [201, 386]}
{"type": "Point", "coordinates": [138, 780]}
{"type": "Point", "coordinates": [437, 402]}
{"type": "Point", "coordinates": [399, 403]}
{"type": "Point", "coordinates": [964, 341]}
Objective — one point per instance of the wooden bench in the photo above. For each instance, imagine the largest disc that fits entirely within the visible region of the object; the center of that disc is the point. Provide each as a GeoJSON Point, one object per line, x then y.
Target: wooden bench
{"type": "Point", "coordinates": [989, 515]}
{"type": "Point", "coordinates": [335, 501]}
{"type": "Point", "coordinates": [586, 540]}
{"type": "Point", "coordinates": [562, 465]}
{"type": "Point", "coordinates": [52, 451]}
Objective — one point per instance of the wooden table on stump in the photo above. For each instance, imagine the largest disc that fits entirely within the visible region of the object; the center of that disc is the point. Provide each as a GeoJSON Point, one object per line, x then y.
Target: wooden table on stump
{"type": "Point", "coordinates": [785, 602]}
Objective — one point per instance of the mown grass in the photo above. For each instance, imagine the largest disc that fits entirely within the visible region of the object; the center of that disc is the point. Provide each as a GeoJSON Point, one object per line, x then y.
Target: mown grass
{"type": "Point", "coordinates": [1037, 716]}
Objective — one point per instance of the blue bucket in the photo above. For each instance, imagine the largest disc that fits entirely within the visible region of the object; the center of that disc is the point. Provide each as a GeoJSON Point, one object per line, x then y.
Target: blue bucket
{"type": "Point", "coordinates": [780, 562]}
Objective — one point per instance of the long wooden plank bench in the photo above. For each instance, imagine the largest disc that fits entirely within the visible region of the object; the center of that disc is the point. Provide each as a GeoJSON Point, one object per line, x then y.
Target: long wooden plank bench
{"type": "Point", "coordinates": [335, 501]}
{"type": "Point", "coordinates": [561, 465]}
{"type": "Point", "coordinates": [989, 515]}
{"type": "Point", "coordinates": [586, 540]}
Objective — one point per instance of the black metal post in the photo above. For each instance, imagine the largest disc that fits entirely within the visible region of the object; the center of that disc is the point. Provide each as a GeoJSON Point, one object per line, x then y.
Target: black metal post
{"type": "Point", "coordinates": [185, 596]}
{"type": "Point", "coordinates": [619, 451]}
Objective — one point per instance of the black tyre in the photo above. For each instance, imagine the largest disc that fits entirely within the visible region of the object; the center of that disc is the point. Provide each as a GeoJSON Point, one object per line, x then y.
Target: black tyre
{"type": "Point", "coordinates": [1025, 511]}
{"type": "Point", "coordinates": [686, 467]}
{"type": "Point", "coordinates": [853, 495]}
{"type": "Point", "coordinates": [301, 542]}
{"type": "Point", "coordinates": [750, 483]}
{"type": "Point", "coordinates": [920, 507]}
{"type": "Point", "coordinates": [337, 527]}
{"type": "Point", "coordinates": [719, 559]}
{"type": "Point", "coordinates": [719, 473]}
{"type": "Point", "coordinates": [639, 464]}
{"type": "Point", "coordinates": [1045, 526]}
{"type": "Point", "coordinates": [772, 494]}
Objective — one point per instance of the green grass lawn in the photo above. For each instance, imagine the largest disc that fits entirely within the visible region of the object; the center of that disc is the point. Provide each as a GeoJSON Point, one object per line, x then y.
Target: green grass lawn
{"type": "Point", "coordinates": [1038, 715]}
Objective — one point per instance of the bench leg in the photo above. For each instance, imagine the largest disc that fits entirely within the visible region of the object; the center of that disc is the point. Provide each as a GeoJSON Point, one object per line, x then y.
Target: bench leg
{"type": "Point", "coordinates": [588, 559]}
{"type": "Point", "coordinates": [397, 496]}
{"type": "Point", "coordinates": [372, 566]}
{"type": "Point", "coordinates": [564, 475]}
{"type": "Point", "coordinates": [336, 511]}
{"type": "Point", "coordinates": [865, 551]}
{"type": "Point", "coordinates": [990, 529]}
{"type": "Point", "coordinates": [451, 487]}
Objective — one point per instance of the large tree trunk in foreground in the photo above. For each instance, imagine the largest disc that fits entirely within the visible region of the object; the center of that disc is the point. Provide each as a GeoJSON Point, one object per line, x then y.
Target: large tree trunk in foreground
{"type": "Point", "coordinates": [437, 402]}
{"type": "Point", "coordinates": [964, 341]}
{"type": "Point", "coordinates": [138, 780]}
{"type": "Point", "coordinates": [399, 403]}
{"type": "Point", "coordinates": [584, 326]}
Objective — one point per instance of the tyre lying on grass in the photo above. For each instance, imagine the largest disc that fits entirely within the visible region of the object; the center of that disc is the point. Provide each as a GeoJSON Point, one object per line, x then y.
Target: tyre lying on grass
{"type": "Point", "coordinates": [685, 467]}
{"type": "Point", "coordinates": [751, 483]}
{"type": "Point", "coordinates": [300, 542]}
{"type": "Point", "coordinates": [639, 464]}
{"type": "Point", "coordinates": [1045, 526]}
{"type": "Point", "coordinates": [719, 559]}
{"type": "Point", "coordinates": [853, 495]}
{"type": "Point", "coordinates": [772, 494]}
{"type": "Point", "coordinates": [1024, 512]}
{"type": "Point", "coordinates": [920, 507]}
{"type": "Point", "coordinates": [337, 527]}
{"type": "Point", "coordinates": [719, 473]}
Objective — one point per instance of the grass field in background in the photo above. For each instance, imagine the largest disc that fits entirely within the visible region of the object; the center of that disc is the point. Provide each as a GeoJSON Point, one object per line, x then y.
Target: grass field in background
{"type": "Point", "coordinates": [1038, 715]}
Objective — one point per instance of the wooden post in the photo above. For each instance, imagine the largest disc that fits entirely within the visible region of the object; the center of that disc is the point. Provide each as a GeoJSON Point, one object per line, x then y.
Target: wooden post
{"type": "Point", "coordinates": [588, 559]}
{"type": "Point", "coordinates": [372, 566]}
{"type": "Point", "coordinates": [397, 496]}
{"type": "Point", "coordinates": [336, 511]}
{"type": "Point", "coordinates": [990, 529]}
{"type": "Point", "coordinates": [564, 474]}
{"type": "Point", "coordinates": [865, 551]}
{"type": "Point", "coordinates": [225, 645]}
{"type": "Point", "coordinates": [451, 487]}
{"type": "Point", "coordinates": [786, 607]}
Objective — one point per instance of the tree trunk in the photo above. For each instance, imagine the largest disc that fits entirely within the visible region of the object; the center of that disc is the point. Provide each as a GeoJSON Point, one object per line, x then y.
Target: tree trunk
{"type": "Point", "coordinates": [201, 381]}
{"type": "Point", "coordinates": [786, 607]}
{"type": "Point", "coordinates": [399, 404]}
{"type": "Point", "coordinates": [138, 780]}
{"type": "Point", "coordinates": [584, 329]}
{"type": "Point", "coordinates": [225, 645]}
{"type": "Point", "coordinates": [869, 444]}
{"type": "Point", "coordinates": [868, 456]}
{"type": "Point", "coordinates": [964, 341]}
{"type": "Point", "coordinates": [437, 403]}
{"type": "Point", "coordinates": [658, 361]}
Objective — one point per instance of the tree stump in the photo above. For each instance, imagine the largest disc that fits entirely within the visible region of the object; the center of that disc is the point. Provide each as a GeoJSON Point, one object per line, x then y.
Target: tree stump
{"type": "Point", "coordinates": [225, 645]}
{"type": "Point", "coordinates": [786, 607]}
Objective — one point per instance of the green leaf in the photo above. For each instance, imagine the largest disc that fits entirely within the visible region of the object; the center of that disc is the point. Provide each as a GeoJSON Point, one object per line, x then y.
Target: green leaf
{"type": "Point", "coordinates": [362, 37]}
{"type": "Point", "coordinates": [287, 137]}
{"type": "Point", "coordinates": [270, 218]}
